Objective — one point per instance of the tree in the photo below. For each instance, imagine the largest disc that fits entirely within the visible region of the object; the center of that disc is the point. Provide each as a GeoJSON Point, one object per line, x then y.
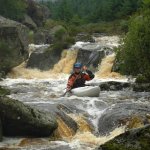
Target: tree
{"type": "Point", "coordinates": [134, 54]}
{"type": "Point", "coordinates": [13, 9]}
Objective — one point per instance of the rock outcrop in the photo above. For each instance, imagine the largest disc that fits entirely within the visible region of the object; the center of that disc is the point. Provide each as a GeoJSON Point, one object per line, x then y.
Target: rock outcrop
{"type": "Point", "coordinates": [122, 114]}
{"type": "Point", "coordinates": [39, 13]}
{"type": "Point", "coordinates": [137, 139]}
{"type": "Point", "coordinates": [19, 119]}
{"type": "Point", "coordinates": [13, 44]}
{"type": "Point", "coordinates": [43, 59]}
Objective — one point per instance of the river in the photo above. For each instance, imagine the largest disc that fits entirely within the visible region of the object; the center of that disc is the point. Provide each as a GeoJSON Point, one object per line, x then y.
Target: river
{"type": "Point", "coordinates": [42, 89]}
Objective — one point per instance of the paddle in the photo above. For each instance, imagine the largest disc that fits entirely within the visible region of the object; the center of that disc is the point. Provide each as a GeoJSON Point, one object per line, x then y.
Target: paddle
{"type": "Point", "coordinates": [93, 56]}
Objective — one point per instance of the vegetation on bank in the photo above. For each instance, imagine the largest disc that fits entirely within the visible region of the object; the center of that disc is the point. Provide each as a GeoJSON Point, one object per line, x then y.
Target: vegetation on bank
{"type": "Point", "coordinates": [133, 57]}
{"type": "Point", "coordinates": [93, 16]}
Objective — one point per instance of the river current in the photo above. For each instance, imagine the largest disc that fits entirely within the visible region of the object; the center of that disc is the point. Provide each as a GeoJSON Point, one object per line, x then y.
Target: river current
{"type": "Point", "coordinates": [41, 89]}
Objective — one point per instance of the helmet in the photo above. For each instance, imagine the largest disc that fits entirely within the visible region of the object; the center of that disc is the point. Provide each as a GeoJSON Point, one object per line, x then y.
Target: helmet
{"type": "Point", "coordinates": [78, 65]}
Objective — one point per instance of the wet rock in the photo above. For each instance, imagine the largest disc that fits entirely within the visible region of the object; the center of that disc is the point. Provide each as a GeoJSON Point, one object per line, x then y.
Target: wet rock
{"type": "Point", "coordinates": [121, 114]}
{"type": "Point", "coordinates": [19, 119]}
{"type": "Point", "coordinates": [141, 87]}
{"type": "Point", "coordinates": [1, 135]}
{"type": "Point", "coordinates": [59, 111]}
{"type": "Point", "coordinates": [90, 58]}
{"type": "Point", "coordinates": [137, 139]}
{"type": "Point", "coordinates": [13, 44]}
{"type": "Point", "coordinates": [42, 59]}
{"type": "Point", "coordinates": [114, 85]}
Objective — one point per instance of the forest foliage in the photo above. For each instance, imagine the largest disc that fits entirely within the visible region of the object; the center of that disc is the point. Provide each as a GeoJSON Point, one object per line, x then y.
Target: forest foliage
{"type": "Point", "coordinates": [87, 11]}
{"type": "Point", "coordinates": [13, 9]}
{"type": "Point", "coordinates": [133, 56]}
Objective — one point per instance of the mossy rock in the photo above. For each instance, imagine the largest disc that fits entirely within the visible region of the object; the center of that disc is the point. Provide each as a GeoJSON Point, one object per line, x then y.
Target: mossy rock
{"type": "Point", "coordinates": [137, 139]}
{"type": "Point", "coordinates": [4, 92]}
{"type": "Point", "coordinates": [19, 119]}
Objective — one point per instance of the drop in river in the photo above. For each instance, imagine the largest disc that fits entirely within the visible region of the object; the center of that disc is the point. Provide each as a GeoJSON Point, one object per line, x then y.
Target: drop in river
{"type": "Point", "coordinates": [95, 116]}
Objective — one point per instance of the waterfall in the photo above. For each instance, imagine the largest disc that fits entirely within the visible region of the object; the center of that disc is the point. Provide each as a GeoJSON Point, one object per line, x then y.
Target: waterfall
{"type": "Point", "coordinates": [105, 68]}
{"type": "Point", "coordinates": [64, 66]}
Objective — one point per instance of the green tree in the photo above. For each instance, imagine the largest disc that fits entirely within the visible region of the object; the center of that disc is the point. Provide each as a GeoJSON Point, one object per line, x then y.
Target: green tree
{"type": "Point", "coordinates": [13, 9]}
{"type": "Point", "coordinates": [134, 55]}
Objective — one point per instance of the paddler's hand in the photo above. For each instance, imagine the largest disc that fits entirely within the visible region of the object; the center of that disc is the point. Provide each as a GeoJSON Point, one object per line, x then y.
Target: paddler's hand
{"type": "Point", "coordinates": [84, 68]}
{"type": "Point", "coordinates": [68, 89]}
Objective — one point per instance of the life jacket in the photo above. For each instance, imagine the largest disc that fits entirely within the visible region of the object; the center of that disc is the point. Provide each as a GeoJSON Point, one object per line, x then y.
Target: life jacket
{"type": "Point", "coordinates": [78, 80]}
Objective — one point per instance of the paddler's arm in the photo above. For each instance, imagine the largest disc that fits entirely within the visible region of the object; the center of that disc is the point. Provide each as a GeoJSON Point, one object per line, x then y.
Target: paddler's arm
{"type": "Point", "coordinates": [70, 83]}
{"type": "Point", "coordinates": [89, 75]}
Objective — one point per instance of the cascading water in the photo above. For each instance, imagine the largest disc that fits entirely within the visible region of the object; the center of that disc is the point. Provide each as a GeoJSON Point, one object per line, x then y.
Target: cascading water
{"type": "Point", "coordinates": [42, 89]}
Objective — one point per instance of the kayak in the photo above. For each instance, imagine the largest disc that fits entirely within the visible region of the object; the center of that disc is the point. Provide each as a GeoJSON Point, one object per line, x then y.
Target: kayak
{"type": "Point", "coordinates": [88, 91]}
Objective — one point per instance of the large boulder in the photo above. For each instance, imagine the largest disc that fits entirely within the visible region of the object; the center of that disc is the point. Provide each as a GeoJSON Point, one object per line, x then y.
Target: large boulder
{"type": "Point", "coordinates": [90, 58]}
{"type": "Point", "coordinates": [19, 119]}
{"type": "Point", "coordinates": [43, 59]}
{"type": "Point", "coordinates": [137, 139]}
{"type": "Point", "coordinates": [39, 13]}
{"type": "Point", "coordinates": [122, 114]}
{"type": "Point", "coordinates": [13, 44]}
{"type": "Point", "coordinates": [60, 111]}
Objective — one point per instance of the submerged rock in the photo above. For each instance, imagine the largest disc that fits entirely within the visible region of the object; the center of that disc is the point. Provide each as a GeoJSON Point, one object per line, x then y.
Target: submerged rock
{"type": "Point", "coordinates": [19, 119]}
{"type": "Point", "coordinates": [122, 114]}
{"type": "Point", "coordinates": [137, 139]}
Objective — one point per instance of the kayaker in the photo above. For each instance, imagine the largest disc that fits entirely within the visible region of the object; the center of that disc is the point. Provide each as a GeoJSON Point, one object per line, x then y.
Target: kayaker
{"type": "Point", "coordinates": [79, 76]}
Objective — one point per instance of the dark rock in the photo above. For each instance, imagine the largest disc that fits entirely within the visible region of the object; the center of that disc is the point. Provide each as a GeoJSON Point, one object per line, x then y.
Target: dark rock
{"type": "Point", "coordinates": [61, 111]}
{"type": "Point", "coordinates": [19, 119]}
{"type": "Point", "coordinates": [137, 139]}
{"type": "Point", "coordinates": [43, 37]}
{"type": "Point", "coordinates": [29, 22]}
{"type": "Point", "coordinates": [141, 87]}
{"type": "Point", "coordinates": [119, 114]}
{"type": "Point", "coordinates": [39, 13]}
{"type": "Point", "coordinates": [90, 59]}
{"type": "Point", "coordinates": [1, 134]}
{"type": "Point", "coordinates": [114, 85]}
{"type": "Point", "coordinates": [13, 44]}
{"type": "Point", "coordinates": [42, 59]}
